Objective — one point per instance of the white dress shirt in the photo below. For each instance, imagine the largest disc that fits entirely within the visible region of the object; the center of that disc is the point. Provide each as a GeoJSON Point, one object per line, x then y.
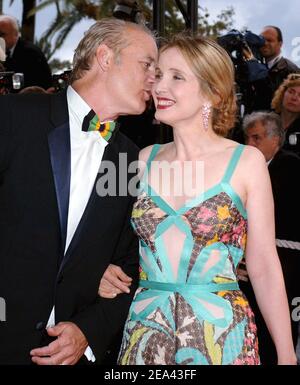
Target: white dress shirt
{"type": "Point", "coordinates": [272, 62]}
{"type": "Point", "coordinates": [87, 150]}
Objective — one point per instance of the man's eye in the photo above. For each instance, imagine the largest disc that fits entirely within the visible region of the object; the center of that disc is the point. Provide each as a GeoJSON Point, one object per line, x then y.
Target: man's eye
{"type": "Point", "coordinates": [146, 65]}
{"type": "Point", "coordinates": [158, 76]}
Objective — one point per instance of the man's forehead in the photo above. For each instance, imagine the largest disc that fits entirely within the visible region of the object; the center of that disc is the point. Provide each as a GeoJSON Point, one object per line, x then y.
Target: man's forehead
{"type": "Point", "coordinates": [143, 48]}
{"type": "Point", "coordinates": [257, 127]}
{"type": "Point", "coordinates": [271, 32]}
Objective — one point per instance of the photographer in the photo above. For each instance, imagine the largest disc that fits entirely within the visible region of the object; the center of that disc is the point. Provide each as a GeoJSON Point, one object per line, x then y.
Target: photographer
{"type": "Point", "coordinates": [279, 67]}
{"type": "Point", "coordinates": [251, 74]}
{"type": "Point", "coordinates": [23, 56]}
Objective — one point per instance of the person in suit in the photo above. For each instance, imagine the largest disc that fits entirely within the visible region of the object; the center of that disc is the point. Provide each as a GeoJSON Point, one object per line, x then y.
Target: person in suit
{"type": "Point", "coordinates": [23, 56]}
{"type": "Point", "coordinates": [278, 66]}
{"type": "Point", "coordinates": [60, 225]}
{"type": "Point", "coordinates": [286, 102]}
{"type": "Point", "coordinates": [264, 131]}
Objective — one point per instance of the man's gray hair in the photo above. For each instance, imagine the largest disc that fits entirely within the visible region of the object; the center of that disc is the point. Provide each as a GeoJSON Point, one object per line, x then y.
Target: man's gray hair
{"type": "Point", "coordinates": [12, 20]}
{"type": "Point", "coordinates": [110, 31]}
{"type": "Point", "coordinates": [270, 120]}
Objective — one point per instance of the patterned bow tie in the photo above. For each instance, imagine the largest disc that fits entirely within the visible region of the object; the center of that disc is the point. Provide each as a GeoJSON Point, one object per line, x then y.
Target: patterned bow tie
{"type": "Point", "coordinates": [91, 122]}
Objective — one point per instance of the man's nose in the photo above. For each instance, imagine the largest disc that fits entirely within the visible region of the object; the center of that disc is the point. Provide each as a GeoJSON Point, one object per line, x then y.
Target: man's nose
{"type": "Point", "coordinates": [151, 74]}
{"type": "Point", "coordinates": [251, 142]}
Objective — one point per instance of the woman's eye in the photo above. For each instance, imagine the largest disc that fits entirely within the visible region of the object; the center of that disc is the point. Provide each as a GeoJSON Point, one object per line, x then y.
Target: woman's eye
{"type": "Point", "coordinates": [176, 77]}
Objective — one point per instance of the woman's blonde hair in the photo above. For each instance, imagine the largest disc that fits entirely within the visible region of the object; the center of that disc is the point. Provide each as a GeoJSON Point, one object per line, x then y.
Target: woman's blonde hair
{"type": "Point", "coordinates": [214, 69]}
{"type": "Point", "coordinates": [293, 80]}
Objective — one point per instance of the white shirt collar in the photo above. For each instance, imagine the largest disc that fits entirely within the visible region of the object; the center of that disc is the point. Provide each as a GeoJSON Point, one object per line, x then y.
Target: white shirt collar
{"type": "Point", "coordinates": [274, 61]}
{"type": "Point", "coordinates": [78, 109]}
{"type": "Point", "coordinates": [77, 106]}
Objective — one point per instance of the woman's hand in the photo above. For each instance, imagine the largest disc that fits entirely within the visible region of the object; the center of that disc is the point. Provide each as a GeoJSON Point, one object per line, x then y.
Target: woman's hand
{"type": "Point", "coordinates": [114, 282]}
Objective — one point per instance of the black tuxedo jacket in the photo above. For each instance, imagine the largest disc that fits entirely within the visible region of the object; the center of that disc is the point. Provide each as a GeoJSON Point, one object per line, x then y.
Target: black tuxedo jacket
{"type": "Point", "coordinates": [30, 60]}
{"type": "Point", "coordinates": [284, 172]}
{"type": "Point", "coordinates": [35, 274]}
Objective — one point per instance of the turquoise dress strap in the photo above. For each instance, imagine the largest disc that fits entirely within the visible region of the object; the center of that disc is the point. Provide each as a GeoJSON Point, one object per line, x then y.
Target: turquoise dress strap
{"type": "Point", "coordinates": [152, 155]}
{"type": "Point", "coordinates": [233, 163]}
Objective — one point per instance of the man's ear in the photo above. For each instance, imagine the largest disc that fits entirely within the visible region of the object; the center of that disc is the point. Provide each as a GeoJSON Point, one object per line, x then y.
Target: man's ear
{"type": "Point", "coordinates": [104, 56]}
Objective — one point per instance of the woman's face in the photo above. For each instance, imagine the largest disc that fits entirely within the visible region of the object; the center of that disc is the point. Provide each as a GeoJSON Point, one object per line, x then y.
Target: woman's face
{"type": "Point", "coordinates": [176, 91]}
{"type": "Point", "coordinates": [291, 99]}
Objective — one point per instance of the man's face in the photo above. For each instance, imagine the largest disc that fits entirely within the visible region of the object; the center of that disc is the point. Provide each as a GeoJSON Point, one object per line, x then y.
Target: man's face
{"type": "Point", "coordinates": [257, 137]}
{"type": "Point", "coordinates": [132, 74]}
{"type": "Point", "coordinates": [8, 32]}
{"type": "Point", "coordinates": [272, 46]}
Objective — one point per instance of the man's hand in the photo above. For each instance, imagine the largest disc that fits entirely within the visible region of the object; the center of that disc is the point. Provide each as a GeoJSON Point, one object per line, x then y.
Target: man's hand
{"type": "Point", "coordinates": [114, 282]}
{"type": "Point", "coordinates": [67, 349]}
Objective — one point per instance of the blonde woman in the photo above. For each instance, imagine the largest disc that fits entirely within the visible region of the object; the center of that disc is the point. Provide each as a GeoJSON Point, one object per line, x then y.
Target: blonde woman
{"type": "Point", "coordinates": [286, 102]}
{"type": "Point", "coordinates": [188, 308]}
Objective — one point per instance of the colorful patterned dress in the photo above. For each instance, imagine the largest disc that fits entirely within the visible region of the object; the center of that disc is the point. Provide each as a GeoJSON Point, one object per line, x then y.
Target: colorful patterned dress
{"type": "Point", "coordinates": [188, 308]}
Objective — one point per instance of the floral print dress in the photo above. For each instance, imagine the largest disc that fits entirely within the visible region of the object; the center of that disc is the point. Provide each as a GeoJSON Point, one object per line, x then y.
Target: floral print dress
{"type": "Point", "coordinates": [188, 308]}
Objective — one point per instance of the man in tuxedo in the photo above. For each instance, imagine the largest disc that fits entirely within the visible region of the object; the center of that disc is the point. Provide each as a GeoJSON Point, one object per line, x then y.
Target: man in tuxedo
{"type": "Point", "coordinates": [23, 56]}
{"type": "Point", "coordinates": [263, 130]}
{"type": "Point", "coordinates": [62, 218]}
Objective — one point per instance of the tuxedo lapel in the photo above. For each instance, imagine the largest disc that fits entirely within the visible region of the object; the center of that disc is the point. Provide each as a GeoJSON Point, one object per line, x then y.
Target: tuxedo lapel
{"type": "Point", "coordinates": [59, 148]}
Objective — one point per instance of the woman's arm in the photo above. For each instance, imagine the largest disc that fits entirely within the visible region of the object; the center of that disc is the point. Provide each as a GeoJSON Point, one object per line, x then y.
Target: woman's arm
{"type": "Point", "coordinates": [262, 261]}
{"type": "Point", "coordinates": [114, 281]}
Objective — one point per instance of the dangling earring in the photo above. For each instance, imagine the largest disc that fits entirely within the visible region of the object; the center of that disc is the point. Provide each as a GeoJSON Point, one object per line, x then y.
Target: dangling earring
{"type": "Point", "coordinates": [206, 109]}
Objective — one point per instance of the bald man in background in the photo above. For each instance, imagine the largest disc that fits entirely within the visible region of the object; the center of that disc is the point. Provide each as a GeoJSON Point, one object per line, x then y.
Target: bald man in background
{"type": "Point", "coordinates": [23, 56]}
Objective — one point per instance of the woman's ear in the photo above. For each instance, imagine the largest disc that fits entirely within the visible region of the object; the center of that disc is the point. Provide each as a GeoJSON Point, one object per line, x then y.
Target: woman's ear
{"type": "Point", "coordinates": [104, 56]}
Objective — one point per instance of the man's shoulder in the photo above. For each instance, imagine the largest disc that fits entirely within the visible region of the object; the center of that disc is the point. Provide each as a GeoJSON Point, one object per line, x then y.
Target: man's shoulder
{"type": "Point", "coordinates": [286, 160]}
{"type": "Point", "coordinates": [286, 64]}
{"type": "Point", "coordinates": [27, 45]}
{"type": "Point", "coordinates": [26, 99]}
{"type": "Point", "coordinates": [25, 106]}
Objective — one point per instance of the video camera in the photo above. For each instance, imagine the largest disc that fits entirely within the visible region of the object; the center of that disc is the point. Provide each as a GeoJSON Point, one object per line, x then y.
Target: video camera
{"type": "Point", "coordinates": [128, 10]}
{"type": "Point", "coordinates": [251, 74]}
{"type": "Point", "coordinates": [11, 82]}
{"type": "Point", "coordinates": [61, 81]}
{"type": "Point", "coordinates": [236, 42]}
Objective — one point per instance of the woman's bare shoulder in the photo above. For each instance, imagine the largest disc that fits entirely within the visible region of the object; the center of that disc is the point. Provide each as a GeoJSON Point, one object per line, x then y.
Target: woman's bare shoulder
{"type": "Point", "coordinates": [252, 156]}
{"type": "Point", "coordinates": [145, 152]}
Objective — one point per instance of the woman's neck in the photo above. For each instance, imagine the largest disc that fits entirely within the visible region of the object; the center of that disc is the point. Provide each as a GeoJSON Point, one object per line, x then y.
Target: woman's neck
{"type": "Point", "coordinates": [287, 118]}
{"type": "Point", "coordinates": [190, 143]}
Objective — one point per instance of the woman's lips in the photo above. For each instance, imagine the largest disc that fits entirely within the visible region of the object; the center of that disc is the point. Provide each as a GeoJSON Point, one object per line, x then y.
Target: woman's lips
{"type": "Point", "coordinates": [164, 103]}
